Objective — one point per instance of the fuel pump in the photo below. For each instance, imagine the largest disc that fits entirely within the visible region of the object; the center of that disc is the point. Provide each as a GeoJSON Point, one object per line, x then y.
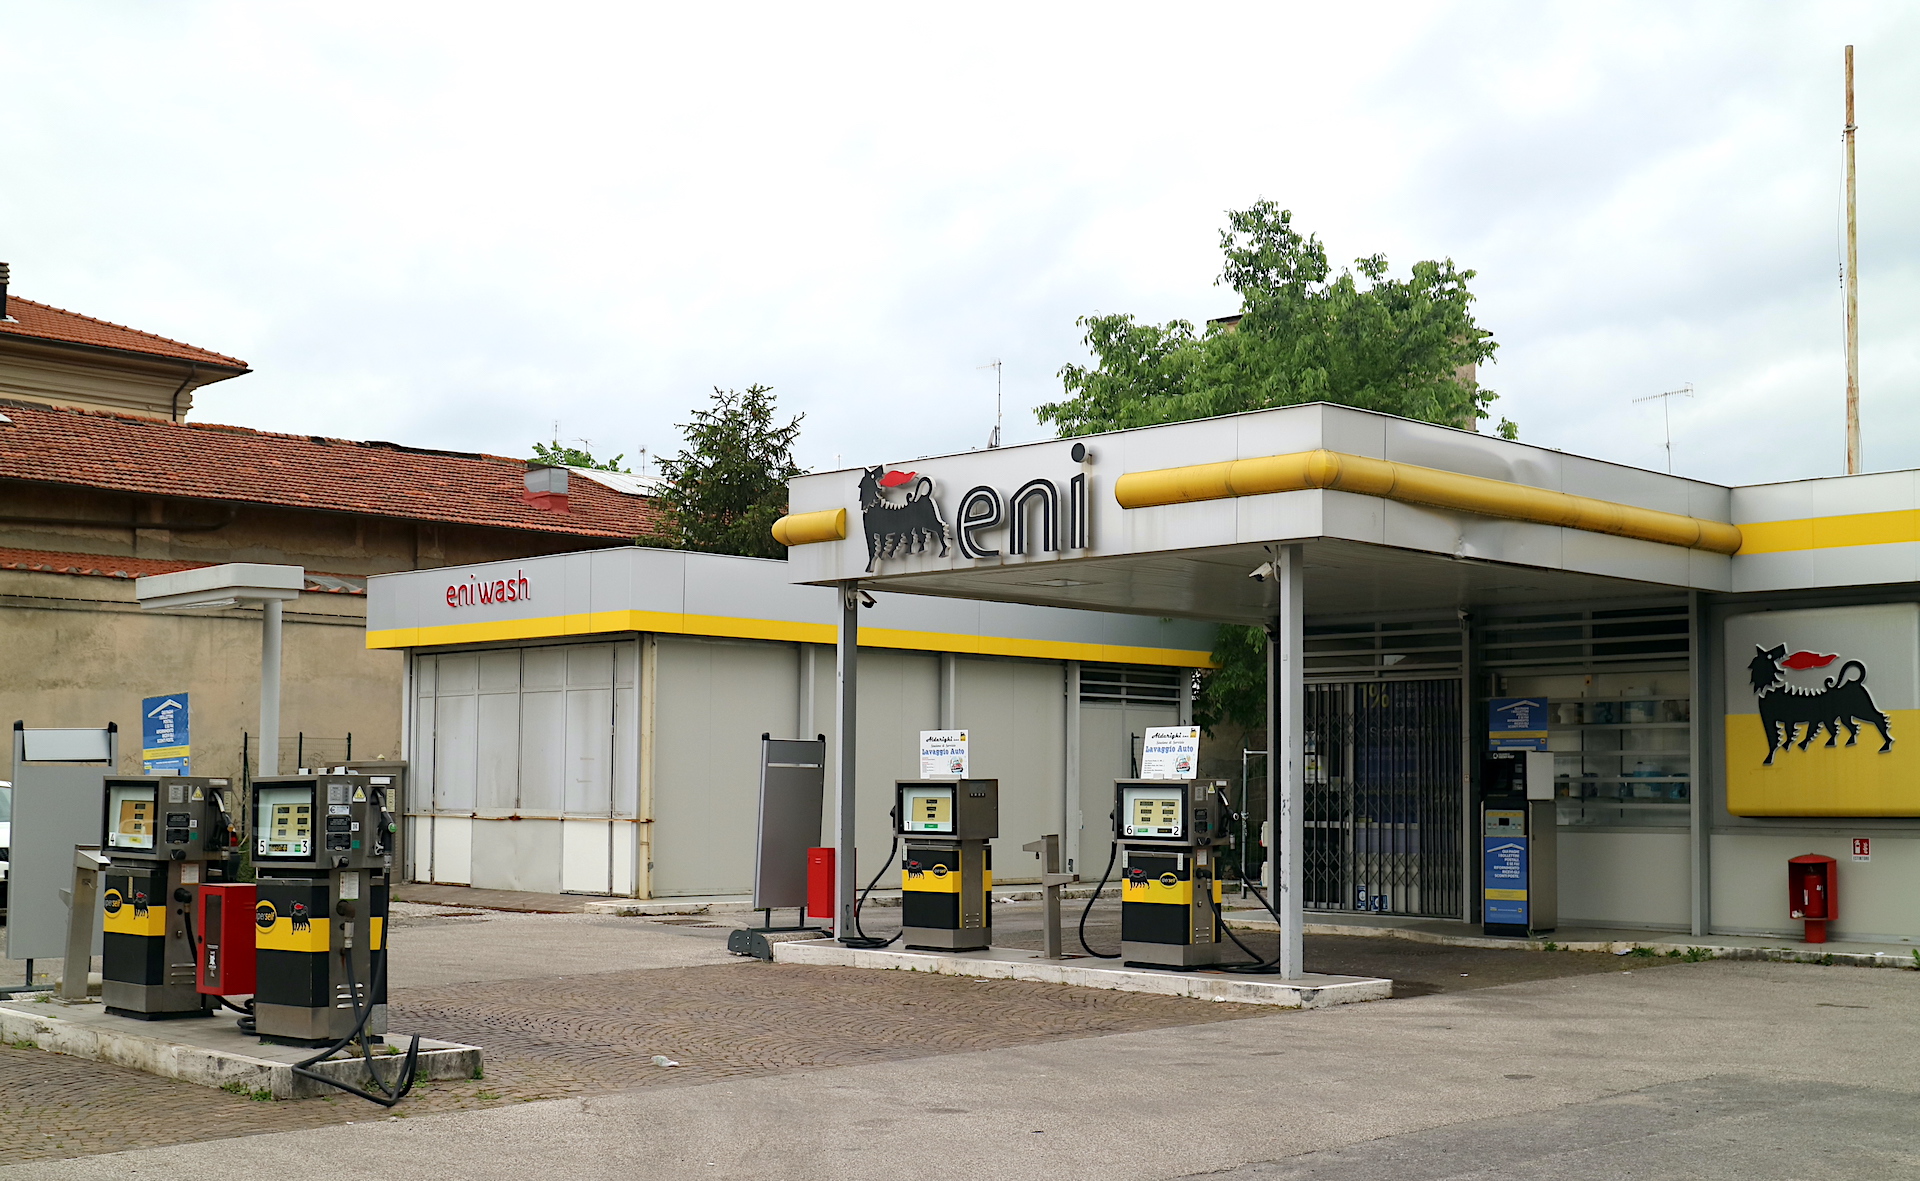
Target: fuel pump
{"type": "Point", "coordinates": [1166, 831]}
{"type": "Point", "coordinates": [946, 874]}
{"type": "Point", "coordinates": [322, 856]}
{"type": "Point", "coordinates": [162, 836]}
{"type": "Point", "coordinates": [1518, 829]}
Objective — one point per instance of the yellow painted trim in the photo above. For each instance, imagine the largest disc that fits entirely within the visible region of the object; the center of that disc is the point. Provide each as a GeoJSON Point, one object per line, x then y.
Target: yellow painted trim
{"type": "Point", "coordinates": [121, 919]}
{"type": "Point", "coordinates": [317, 935]}
{"type": "Point", "coordinates": [791, 631]}
{"type": "Point", "coordinates": [1779, 537]}
{"type": "Point", "coordinates": [807, 528]}
{"type": "Point", "coordinates": [1413, 484]}
{"type": "Point", "coordinates": [1505, 895]}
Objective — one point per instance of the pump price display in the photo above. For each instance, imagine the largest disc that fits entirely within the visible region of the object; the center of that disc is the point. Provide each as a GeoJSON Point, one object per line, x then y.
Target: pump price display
{"type": "Point", "coordinates": [1153, 812]}
{"type": "Point", "coordinates": [132, 811]}
{"type": "Point", "coordinates": [286, 825]}
{"type": "Point", "coordinates": [930, 811]}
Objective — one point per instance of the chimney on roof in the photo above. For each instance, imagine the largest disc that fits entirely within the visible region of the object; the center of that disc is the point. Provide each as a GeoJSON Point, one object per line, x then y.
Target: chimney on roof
{"type": "Point", "coordinates": [546, 487]}
{"type": "Point", "coordinates": [5, 272]}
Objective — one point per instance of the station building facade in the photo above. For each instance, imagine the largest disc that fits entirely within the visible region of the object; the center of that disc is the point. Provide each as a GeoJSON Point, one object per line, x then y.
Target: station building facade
{"type": "Point", "coordinates": [591, 722]}
{"type": "Point", "coordinates": [1730, 675]}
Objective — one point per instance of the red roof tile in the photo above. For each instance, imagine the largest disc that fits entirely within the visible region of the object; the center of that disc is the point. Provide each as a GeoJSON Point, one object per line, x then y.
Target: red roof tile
{"type": "Point", "coordinates": [50, 323]}
{"type": "Point", "coordinates": [89, 449]}
{"type": "Point", "coordinates": [98, 566]}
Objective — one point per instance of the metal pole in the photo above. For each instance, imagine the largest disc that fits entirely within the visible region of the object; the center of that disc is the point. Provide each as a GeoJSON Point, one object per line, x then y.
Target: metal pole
{"type": "Point", "coordinates": [1286, 698]}
{"type": "Point", "coordinates": [270, 687]}
{"type": "Point", "coordinates": [1071, 821]}
{"type": "Point", "coordinates": [846, 714]}
{"type": "Point", "coordinates": [1699, 820]}
{"type": "Point", "coordinates": [1853, 293]}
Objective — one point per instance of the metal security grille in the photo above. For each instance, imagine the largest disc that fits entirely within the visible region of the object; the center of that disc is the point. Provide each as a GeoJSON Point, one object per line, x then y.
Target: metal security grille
{"type": "Point", "coordinates": [1383, 797]}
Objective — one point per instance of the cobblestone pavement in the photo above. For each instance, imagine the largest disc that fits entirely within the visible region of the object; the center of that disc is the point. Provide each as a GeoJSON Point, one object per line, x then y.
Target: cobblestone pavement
{"type": "Point", "coordinates": [592, 1034]}
{"type": "Point", "coordinates": [597, 1032]}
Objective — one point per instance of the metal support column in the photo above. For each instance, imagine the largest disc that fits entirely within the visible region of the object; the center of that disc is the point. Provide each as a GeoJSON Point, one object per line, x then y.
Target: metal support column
{"type": "Point", "coordinates": [949, 691]}
{"type": "Point", "coordinates": [846, 668]}
{"type": "Point", "coordinates": [1286, 790]}
{"type": "Point", "coordinates": [1699, 819]}
{"type": "Point", "coordinates": [1070, 818]}
{"type": "Point", "coordinates": [270, 687]}
{"type": "Point", "coordinates": [1469, 768]}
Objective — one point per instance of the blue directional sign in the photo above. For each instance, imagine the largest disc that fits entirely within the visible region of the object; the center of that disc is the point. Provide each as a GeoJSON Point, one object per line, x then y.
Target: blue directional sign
{"type": "Point", "coordinates": [166, 739]}
{"type": "Point", "coordinates": [1517, 723]}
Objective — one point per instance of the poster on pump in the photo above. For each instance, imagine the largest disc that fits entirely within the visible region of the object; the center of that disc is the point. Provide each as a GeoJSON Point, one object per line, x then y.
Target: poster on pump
{"type": "Point", "coordinates": [1170, 752]}
{"type": "Point", "coordinates": [1822, 711]}
{"type": "Point", "coordinates": [943, 754]}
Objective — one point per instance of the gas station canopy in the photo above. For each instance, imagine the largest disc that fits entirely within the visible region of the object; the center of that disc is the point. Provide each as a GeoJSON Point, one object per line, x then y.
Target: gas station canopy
{"type": "Point", "coordinates": [1176, 520]}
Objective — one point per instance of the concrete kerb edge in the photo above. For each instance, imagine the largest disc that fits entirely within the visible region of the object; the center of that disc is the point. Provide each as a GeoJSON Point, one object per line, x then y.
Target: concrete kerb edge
{"type": "Point", "coordinates": [209, 1067]}
{"type": "Point", "coordinates": [1248, 991]}
{"type": "Point", "coordinates": [1662, 948]}
{"type": "Point", "coordinates": [629, 908]}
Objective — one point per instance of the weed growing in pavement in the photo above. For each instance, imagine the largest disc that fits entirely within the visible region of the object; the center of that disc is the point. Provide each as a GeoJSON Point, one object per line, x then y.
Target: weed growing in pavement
{"type": "Point", "coordinates": [480, 1072]}
{"type": "Point", "coordinates": [25, 1043]}
{"type": "Point", "coordinates": [263, 1095]}
{"type": "Point", "coordinates": [1674, 953]}
{"type": "Point", "coordinates": [1827, 959]}
{"type": "Point", "coordinates": [1549, 945]}
{"type": "Point", "coordinates": [234, 1088]}
{"type": "Point", "coordinates": [1695, 954]}
{"type": "Point", "coordinates": [487, 1095]}
{"type": "Point", "coordinates": [1645, 953]}
{"type": "Point", "coordinates": [1916, 959]}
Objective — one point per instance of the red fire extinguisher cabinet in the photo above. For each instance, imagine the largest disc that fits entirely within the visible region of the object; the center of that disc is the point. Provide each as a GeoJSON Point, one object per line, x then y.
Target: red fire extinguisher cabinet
{"type": "Point", "coordinates": [1812, 895]}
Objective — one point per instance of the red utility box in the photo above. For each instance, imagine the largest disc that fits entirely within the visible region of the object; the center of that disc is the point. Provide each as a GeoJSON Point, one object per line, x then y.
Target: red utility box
{"type": "Point", "coordinates": [820, 884]}
{"type": "Point", "coordinates": [1811, 882]}
{"type": "Point", "coordinates": [223, 918]}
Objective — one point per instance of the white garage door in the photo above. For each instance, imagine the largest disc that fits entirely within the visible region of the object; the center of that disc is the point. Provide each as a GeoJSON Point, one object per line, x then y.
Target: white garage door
{"type": "Point", "coordinates": [530, 762]}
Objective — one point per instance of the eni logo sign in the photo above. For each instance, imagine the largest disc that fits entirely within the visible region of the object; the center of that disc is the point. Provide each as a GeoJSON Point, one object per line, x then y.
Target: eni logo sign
{"type": "Point", "coordinates": [501, 590]}
{"type": "Point", "coordinates": [1040, 516]}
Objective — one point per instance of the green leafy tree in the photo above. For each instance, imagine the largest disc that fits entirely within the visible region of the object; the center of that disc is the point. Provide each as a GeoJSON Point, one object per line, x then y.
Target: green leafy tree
{"type": "Point", "coordinates": [554, 453]}
{"type": "Point", "coordinates": [1303, 334]}
{"type": "Point", "coordinates": [728, 485]}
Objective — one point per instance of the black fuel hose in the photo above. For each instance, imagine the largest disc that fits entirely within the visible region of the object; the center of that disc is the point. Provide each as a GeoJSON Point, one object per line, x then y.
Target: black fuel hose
{"type": "Point", "coordinates": [1088, 909]}
{"type": "Point", "coordinates": [1259, 966]}
{"type": "Point", "coordinates": [860, 939]}
{"type": "Point", "coordinates": [390, 1097]}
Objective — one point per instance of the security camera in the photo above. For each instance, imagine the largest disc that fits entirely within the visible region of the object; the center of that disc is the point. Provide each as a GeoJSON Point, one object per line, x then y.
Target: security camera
{"type": "Point", "coordinates": [866, 600]}
{"type": "Point", "coordinates": [1262, 572]}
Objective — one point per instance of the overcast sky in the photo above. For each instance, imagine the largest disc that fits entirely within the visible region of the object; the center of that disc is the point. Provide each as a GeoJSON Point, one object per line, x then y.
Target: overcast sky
{"type": "Point", "coordinates": [450, 225]}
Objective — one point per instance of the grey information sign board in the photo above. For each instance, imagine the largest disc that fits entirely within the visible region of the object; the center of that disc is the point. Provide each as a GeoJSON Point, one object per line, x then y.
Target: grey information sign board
{"type": "Point", "coordinates": [793, 776]}
{"type": "Point", "coordinates": [58, 782]}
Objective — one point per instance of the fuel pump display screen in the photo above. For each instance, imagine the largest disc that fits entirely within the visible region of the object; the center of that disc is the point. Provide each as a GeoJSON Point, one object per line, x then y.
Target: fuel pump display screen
{"type": "Point", "coordinates": [929, 809]}
{"type": "Point", "coordinates": [131, 813]}
{"type": "Point", "coordinates": [1153, 811]}
{"type": "Point", "coordinates": [286, 818]}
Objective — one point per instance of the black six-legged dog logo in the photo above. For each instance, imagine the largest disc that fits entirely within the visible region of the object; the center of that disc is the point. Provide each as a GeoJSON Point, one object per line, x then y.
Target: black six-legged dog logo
{"type": "Point", "coordinates": [1784, 708]}
{"type": "Point", "coordinates": [894, 529]}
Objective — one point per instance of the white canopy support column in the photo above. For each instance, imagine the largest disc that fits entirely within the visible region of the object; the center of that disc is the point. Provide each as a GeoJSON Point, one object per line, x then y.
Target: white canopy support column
{"type": "Point", "coordinates": [1286, 720]}
{"type": "Point", "coordinates": [846, 714]}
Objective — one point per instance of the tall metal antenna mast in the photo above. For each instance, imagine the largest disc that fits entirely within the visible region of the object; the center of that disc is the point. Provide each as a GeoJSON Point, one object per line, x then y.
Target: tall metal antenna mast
{"type": "Point", "coordinates": [1666, 414]}
{"type": "Point", "coordinates": [1853, 292]}
{"type": "Point", "coordinates": [993, 440]}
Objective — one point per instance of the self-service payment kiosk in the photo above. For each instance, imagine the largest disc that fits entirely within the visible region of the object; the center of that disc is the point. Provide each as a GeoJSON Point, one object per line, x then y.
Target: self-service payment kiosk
{"type": "Point", "coordinates": [161, 835]}
{"type": "Point", "coordinates": [322, 857]}
{"type": "Point", "coordinates": [946, 875]}
{"type": "Point", "coordinates": [1520, 867]}
{"type": "Point", "coordinates": [1167, 830]}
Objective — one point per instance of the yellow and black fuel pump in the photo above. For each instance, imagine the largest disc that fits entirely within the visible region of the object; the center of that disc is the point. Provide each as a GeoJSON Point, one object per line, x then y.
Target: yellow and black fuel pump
{"type": "Point", "coordinates": [323, 858]}
{"type": "Point", "coordinates": [946, 874]}
{"type": "Point", "coordinates": [161, 835]}
{"type": "Point", "coordinates": [1167, 830]}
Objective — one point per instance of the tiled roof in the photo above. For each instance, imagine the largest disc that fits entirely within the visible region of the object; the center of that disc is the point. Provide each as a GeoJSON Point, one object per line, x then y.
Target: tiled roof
{"type": "Point", "coordinates": [98, 566]}
{"type": "Point", "coordinates": [89, 449]}
{"type": "Point", "coordinates": [50, 323]}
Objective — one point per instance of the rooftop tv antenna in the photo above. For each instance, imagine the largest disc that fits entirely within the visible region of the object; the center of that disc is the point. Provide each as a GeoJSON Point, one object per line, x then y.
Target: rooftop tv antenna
{"type": "Point", "coordinates": [1666, 414]}
{"type": "Point", "coordinates": [993, 440]}
{"type": "Point", "coordinates": [1853, 291]}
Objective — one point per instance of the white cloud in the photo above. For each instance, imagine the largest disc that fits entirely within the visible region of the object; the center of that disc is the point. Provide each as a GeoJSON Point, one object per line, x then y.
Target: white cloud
{"type": "Point", "coordinates": [451, 224]}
